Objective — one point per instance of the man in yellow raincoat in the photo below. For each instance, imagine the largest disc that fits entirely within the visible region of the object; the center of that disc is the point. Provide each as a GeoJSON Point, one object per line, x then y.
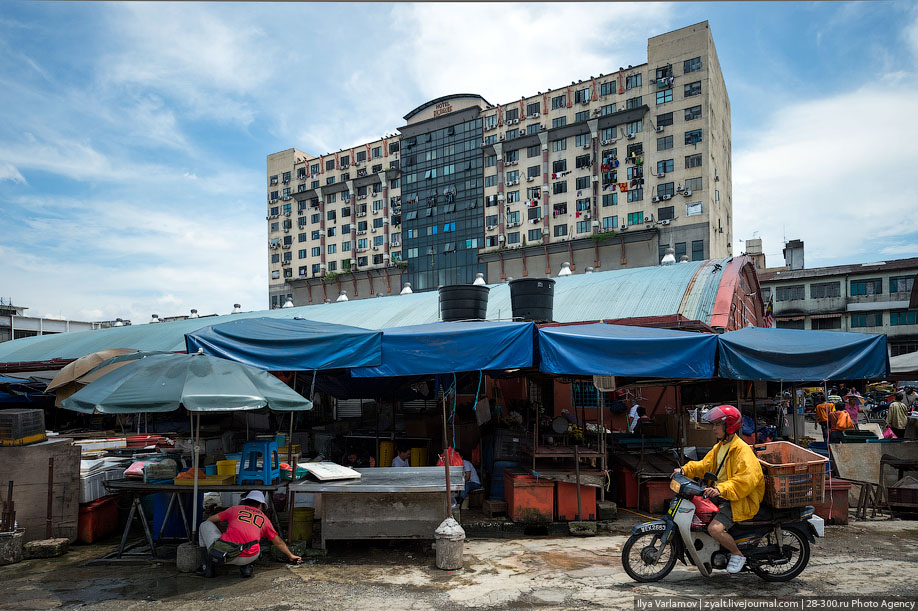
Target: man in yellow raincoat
{"type": "Point", "coordinates": [739, 479]}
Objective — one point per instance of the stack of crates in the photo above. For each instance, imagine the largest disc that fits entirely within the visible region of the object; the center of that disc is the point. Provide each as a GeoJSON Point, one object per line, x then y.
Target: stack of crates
{"type": "Point", "coordinates": [794, 477]}
{"type": "Point", "coordinates": [19, 427]}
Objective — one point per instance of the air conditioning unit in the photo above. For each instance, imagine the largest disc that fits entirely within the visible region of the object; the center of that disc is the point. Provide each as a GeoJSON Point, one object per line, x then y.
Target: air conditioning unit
{"type": "Point", "coordinates": [500, 238]}
{"type": "Point", "coordinates": [530, 178]}
{"type": "Point", "coordinates": [597, 111]}
{"type": "Point", "coordinates": [286, 246]}
{"type": "Point", "coordinates": [376, 248]}
{"type": "Point", "coordinates": [544, 230]}
{"type": "Point", "coordinates": [534, 115]}
{"type": "Point", "coordinates": [661, 174]}
{"type": "Point", "coordinates": [361, 214]}
{"type": "Point", "coordinates": [286, 230]}
{"type": "Point", "coordinates": [587, 215]}
{"type": "Point", "coordinates": [516, 224]}
{"type": "Point", "coordinates": [666, 197]}
{"type": "Point", "coordinates": [586, 146]}
{"type": "Point", "coordinates": [624, 227]}
{"type": "Point", "coordinates": [501, 137]}
{"type": "Point", "coordinates": [680, 188]}
{"type": "Point", "coordinates": [362, 232]}
{"type": "Point", "coordinates": [687, 193]}
{"type": "Point", "coordinates": [648, 219]}
{"type": "Point", "coordinates": [655, 199]}
{"type": "Point", "coordinates": [585, 102]}
{"type": "Point", "coordinates": [659, 129]}
{"type": "Point", "coordinates": [322, 233]}
{"type": "Point", "coordinates": [665, 222]}
{"type": "Point", "coordinates": [595, 223]}
{"type": "Point", "coordinates": [356, 164]}
{"type": "Point", "coordinates": [629, 136]}
{"type": "Point", "coordinates": [500, 197]}
{"type": "Point", "coordinates": [490, 227]}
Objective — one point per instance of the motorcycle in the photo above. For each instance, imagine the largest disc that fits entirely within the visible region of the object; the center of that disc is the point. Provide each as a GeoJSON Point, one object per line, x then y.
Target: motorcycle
{"type": "Point", "coordinates": [776, 542]}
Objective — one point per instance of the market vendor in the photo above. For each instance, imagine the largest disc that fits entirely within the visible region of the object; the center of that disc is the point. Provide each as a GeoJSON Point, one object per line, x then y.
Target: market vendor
{"type": "Point", "coordinates": [897, 415]}
{"type": "Point", "coordinates": [403, 456]}
{"type": "Point", "coordinates": [246, 525]}
{"type": "Point", "coordinates": [822, 417]}
{"type": "Point", "coordinates": [354, 461]}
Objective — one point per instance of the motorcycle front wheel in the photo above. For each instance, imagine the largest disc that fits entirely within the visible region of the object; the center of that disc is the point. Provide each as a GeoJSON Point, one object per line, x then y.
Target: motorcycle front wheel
{"type": "Point", "coordinates": [793, 557]}
{"type": "Point", "coordinates": [645, 558]}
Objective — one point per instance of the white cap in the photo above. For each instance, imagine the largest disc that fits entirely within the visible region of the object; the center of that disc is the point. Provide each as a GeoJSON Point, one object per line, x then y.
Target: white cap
{"type": "Point", "coordinates": [256, 495]}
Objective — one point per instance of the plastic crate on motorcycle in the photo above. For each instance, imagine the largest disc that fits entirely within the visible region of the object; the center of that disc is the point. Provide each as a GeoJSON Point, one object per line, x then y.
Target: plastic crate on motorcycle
{"type": "Point", "coordinates": [794, 476]}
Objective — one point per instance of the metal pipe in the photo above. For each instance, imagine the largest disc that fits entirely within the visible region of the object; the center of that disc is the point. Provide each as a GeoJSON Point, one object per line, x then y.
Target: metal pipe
{"type": "Point", "coordinates": [446, 461]}
{"type": "Point", "coordinates": [48, 521]}
{"type": "Point", "coordinates": [577, 471]}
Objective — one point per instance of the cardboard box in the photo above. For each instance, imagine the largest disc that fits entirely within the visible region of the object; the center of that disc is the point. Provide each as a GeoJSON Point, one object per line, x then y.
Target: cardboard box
{"type": "Point", "coordinates": [700, 435]}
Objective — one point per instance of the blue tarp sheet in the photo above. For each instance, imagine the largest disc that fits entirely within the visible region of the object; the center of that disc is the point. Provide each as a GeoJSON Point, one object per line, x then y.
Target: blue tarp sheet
{"type": "Point", "coordinates": [451, 347]}
{"type": "Point", "coordinates": [620, 350]}
{"type": "Point", "coordinates": [295, 344]}
{"type": "Point", "coordinates": [792, 355]}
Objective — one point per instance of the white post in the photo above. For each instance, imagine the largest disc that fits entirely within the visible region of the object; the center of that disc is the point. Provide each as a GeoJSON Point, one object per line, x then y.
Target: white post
{"type": "Point", "coordinates": [194, 499]}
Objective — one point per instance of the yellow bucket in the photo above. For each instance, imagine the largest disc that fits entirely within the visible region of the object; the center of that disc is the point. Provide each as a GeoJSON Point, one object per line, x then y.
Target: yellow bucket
{"type": "Point", "coordinates": [226, 467]}
{"type": "Point", "coordinates": [386, 453]}
{"type": "Point", "coordinates": [302, 524]}
{"type": "Point", "coordinates": [418, 457]}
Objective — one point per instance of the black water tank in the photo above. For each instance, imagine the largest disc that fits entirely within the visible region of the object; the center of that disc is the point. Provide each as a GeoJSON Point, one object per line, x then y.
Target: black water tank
{"type": "Point", "coordinates": [463, 302]}
{"type": "Point", "coordinates": [532, 298]}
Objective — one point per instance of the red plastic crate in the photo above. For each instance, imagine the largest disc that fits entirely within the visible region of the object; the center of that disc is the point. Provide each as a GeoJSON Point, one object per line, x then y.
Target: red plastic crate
{"type": "Point", "coordinates": [655, 495]}
{"type": "Point", "coordinates": [529, 499]}
{"type": "Point", "coordinates": [566, 502]}
{"type": "Point", "coordinates": [97, 519]}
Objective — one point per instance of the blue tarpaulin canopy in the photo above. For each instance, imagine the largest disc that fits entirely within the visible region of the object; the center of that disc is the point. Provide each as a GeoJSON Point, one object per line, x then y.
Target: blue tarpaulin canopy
{"type": "Point", "coordinates": [451, 347]}
{"type": "Point", "coordinates": [619, 350]}
{"type": "Point", "coordinates": [793, 355]}
{"type": "Point", "coordinates": [278, 344]}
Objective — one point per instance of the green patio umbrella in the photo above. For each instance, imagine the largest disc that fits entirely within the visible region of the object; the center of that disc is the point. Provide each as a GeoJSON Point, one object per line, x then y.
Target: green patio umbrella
{"type": "Point", "coordinates": [197, 382]}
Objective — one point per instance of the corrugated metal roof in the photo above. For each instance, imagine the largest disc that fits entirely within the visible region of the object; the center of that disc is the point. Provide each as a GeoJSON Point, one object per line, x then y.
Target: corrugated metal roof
{"type": "Point", "coordinates": [616, 294]}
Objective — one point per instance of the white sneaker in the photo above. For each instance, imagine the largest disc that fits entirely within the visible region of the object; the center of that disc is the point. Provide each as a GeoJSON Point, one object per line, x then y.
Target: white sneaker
{"type": "Point", "coordinates": [736, 563]}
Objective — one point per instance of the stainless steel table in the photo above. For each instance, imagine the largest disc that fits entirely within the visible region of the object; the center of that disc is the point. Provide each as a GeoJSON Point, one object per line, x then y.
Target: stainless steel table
{"type": "Point", "coordinates": [385, 503]}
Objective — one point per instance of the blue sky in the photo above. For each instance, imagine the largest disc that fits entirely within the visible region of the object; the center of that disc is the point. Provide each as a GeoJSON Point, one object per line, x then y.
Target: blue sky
{"type": "Point", "coordinates": [133, 136]}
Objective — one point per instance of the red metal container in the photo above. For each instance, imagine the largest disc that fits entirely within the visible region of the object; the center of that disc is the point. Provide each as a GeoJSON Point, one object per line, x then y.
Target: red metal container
{"type": "Point", "coordinates": [566, 502]}
{"type": "Point", "coordinates": [528, 499]}
{"type": "Point", "coordinates": [97, 519]}
{"type": "Point", "coordinates": [627, 488]}
{"type": "Point", "coordinates": [834, 510]}
{"type": "Point", "coordinates": [655, 495]}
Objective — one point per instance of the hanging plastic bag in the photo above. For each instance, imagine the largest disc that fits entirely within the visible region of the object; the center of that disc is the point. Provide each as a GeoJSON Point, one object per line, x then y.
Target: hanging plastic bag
{"type": "Point", "coordinates": [888, 434]}
{"type": "Point", "coordinates": [455, 460]}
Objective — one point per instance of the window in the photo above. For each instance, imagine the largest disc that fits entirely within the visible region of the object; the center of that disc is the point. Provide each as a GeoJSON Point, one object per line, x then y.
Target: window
{"type": "Point", "coordinates": [636, 195]}
{"type": "Point", "coordinates": [633, 102]}
{"type": "Point", "coordinates": [582, 140]}
{"type": "Point", "coordinates": [513, 237]}
{"type": "Point", "coordinates": [693, 137]}
{"type": "Point", "coordinates": [376, 152]}
{"type": "Point", "coordinates": [512, 114]}
{"type": "Point", "coordinates": [867, 287]}
{"type": "Point", "coordinates": [666, 213]}
{"type": "Point", "coordinates": [901, 284]}
{"type": "Point", "coordinates": [692, 89]}
{"type": "Point", "coordinates": [490, 161]}
{"type": "Point", "coordinates": [559, 145]}
{"type": "Point", "coordinates": [697, 250]}
{"type": "Point", "coordinates": [583, 227]}
{"type": "Point", "coordinates": [826, 324]}
{"type": "Point", "coordinates": [512, 134]}
{"type": "Point", "coordinates": [559, 122]}
{"type": "Point", "coordinates": [664, 96]}
{"type": "Point", "coordinates": [610, 199]}
{"type": "Point", "coordinates": [329, 165]}
{"type": "Point", "coordinates": [608, 109]}
{"type": "Point", "coordinates": [790, 293]}
{"type": "Point", "coordinates": [534, 214]}
{"type": "Point", "coordinates": [583, 204]}
{"type": "Point", "coordinates": [490, 122]}
{"type": "Point", "coordinates": [560, 231]}
{"type": "Point", "coordinates": [332, 231]}
{"type": "Point", "coordinates": [607, 133]}
{"type": "Point", "coordinates": [610, 222]}
{"type": "Point", "coordinates": [332, 249]}
{"type": "Point", "coordinates": [582, 161]}
{"type": "Point", "coordinates": [314, 184]}
{"type": "Point", "coordinates": [664, 165]}
{"type": "Point", "coordinates": [533, 171]}
{"type": "Point", "coordinates": [512, 156]}
{"type": "Point", "coordinates": [823, 290]}
{"type": "Point", "coordinates": [331, 215]}
{"type": "Point", "coordinates": [581, 116]}
{"type": "Point", "coordinates": [471, 243]}
{"type": "Point", "coordinates": [533, 128]}
{"type": "Point", "coordinates": [361, 243]}
{"type": "Point", "coordinates": [302, 237]}
{"type": "Point", "coordinates": [490, 181]}
{"type": "Point", "coordinates": [314, 168]}
{"type": "Point", "coordinates": [693, 161]}
{"type": "Point", "coordinates": [535, 235]}
{"type": "Point", "coordinates": [559, 187]}
{"type": "Point", "coordinates": [412, 253]}
{"type": "Point", "coordinates": [635, 127]}
{"type": "Point", "coordinates": [533, 108]}
{"type": "Point", "coordinates": [693, 209]}
{"type": "Point", "coordinates": [491, 220]}
{"type": "Point", "coordinates": [691, 65]}
{"type": "Point", "coordinates": [316, 251]}
{"type": "Point", "coordinates": [668, 188]}
{"type": "Point", "coordinates": [490, 139]}
{"type": "Point", "coordinates": [513, 196]}
{"type": "Point", "coordinates": [275, 226]}
{"type": "Point", "coordinates": [559, 101]}
{"type": "Point", "coordinates": [693, 184]}
{"type": "Point", "coordinates": [275, 258]}
{"type": "Point", "coordinates": [533, 151]}
{"type": "Point", "coordinates": [377, 205]}
{"type": "Point", "coordinates": [582, 182]}
{"type": "Point", "coordinates": [867, 319]}
{"type": "Point", "coordinates": [607, 88]}
{"type": "Point", "coordinates": [790, 324]}
{"type": "Point", "coordinates": [330, 180]}
{"type": "Point", "coordinates": [346, 246]}
{"type": "Point", "coordinates": [664, 143]}
{"type": "Point", "coordinates": [315, 218]}
{"type": "Point", "coordinates": [693, 113]}
{"type": "Point", "coordinates": [665, 119]}
{"type": "Point", "coordinates": [636, 218]}
{"type": "Point", "coordinates": [897, 319]}
{"type": "Point", "coordinates": [274, 195]}
{"type": "Point", "coordinates": [680, 250]}
{"type": "Point", "coordinates": [513, 217]}
{"type": "Point", "coordinates": [633, 81]}
{"type": "Point", "coordinates": [378, 223]}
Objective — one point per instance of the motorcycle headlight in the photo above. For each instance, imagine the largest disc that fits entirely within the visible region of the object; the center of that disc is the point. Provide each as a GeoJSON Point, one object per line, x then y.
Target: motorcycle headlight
{"type": "Point", "coordinates": [675, 486]}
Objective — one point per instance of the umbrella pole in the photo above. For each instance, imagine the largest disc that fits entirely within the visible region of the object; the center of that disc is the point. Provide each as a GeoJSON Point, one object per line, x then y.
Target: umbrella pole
{"type": "Point", "coordinates": [194, 498]}
{"type": "Point", "coordinates": [446, 461]}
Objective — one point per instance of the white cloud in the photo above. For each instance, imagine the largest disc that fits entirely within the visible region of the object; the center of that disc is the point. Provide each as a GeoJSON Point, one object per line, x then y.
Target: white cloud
{"type": "Point", "coordinates": [836, 172]}
{"type": "Point", "coordinates": [9, 172]}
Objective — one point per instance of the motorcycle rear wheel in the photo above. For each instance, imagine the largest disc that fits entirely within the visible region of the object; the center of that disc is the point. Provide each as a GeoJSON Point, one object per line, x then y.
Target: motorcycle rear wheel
{"type": "Point", "coordinates": [797, 547]}
{"type": "Point", "coordinates": [637, 551]}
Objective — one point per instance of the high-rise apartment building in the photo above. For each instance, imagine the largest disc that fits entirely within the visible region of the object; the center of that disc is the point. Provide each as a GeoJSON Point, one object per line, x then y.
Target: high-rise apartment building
{"type": "Point", "coordinates": [606, 172]}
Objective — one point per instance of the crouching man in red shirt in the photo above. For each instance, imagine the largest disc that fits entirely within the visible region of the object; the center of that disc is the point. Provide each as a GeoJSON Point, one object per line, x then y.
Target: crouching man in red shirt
{"type": "Point", "coordinates": [246, 525]}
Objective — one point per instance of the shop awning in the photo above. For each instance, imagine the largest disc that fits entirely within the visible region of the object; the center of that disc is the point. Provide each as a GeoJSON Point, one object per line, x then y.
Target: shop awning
{"type": "Point", "coordinates": [277, 344]}
{"type": "Point", "coordinates": [619, 350]}
{"type": "Point", "coordinates": [904, 365]}
{"type": "Point", "coordinates": [451, 347]}
{"type": "Point", "coordinates": [793, 355]}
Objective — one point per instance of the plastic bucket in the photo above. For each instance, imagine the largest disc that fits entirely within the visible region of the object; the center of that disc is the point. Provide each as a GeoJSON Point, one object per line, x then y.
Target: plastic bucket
{"type": "Point", "coordinates": [386, 453]}
{"type": "Point", "coordinates": [463, 302]}
{"type": "Point", "coordinates": [226, 467]}
{"type": "Point", "coordinates": [211, 470]}
{"type": "Point", "coordinates": [302, 524]}
{"type": "Point", "coordinates": [419, 457]}
{"type": "Point", "coordinates": [532, 298]}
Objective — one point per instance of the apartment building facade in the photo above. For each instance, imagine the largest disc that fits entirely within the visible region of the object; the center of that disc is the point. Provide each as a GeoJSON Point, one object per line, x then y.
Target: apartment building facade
{"type": "Point", "coordinates": [866, 298]}
{"type": "Point", "coordinates": [606, 172]}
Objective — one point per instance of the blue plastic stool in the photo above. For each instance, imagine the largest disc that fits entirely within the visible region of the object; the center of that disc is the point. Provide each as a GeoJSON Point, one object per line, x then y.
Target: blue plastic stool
{"type": "Point", "coordinates": [269, 470]}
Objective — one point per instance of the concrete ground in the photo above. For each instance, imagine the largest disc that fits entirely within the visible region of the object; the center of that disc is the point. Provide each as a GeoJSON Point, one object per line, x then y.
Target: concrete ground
{"type": "Point", "coordinates": [866, 557]}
